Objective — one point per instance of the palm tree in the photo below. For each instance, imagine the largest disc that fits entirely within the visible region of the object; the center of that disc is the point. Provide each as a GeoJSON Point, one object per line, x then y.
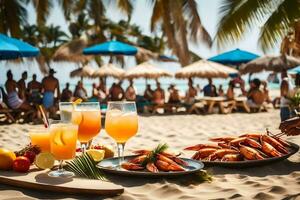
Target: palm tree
{"type": "Point", "coordinates": [47, 38]}
{"type": "Point", "coordinates": [179, 19]}
{"type": "Point", "coordinates": [13, 15]}
{"type": "Point", "coordinates": [240, 16]}
{"type": "Point", "coordinates": [43, 9]}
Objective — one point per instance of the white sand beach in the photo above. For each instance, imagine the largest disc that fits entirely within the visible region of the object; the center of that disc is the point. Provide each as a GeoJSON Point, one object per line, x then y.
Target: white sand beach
{"type": "Point", "coordinates": [276, 181]}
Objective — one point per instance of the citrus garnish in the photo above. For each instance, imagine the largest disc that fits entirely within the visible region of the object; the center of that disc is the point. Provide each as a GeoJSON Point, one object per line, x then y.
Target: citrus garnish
{"type": "Point", "coordinates": [58, 138]}
{"type": "Point", "coordinates": [96, 154]}
{"type": "Point", "coordinates": [44, 160]}
{"type": "Point", "coordinates": [6, 159]}
{"type": "Point", "coordinates": [78, 101]}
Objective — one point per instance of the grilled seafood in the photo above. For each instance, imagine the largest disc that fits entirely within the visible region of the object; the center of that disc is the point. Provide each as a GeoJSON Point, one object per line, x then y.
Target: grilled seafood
{"type": "Point", "coordinates": [155, 161]}
{"type": "Point", "coordinates": [252, 146]}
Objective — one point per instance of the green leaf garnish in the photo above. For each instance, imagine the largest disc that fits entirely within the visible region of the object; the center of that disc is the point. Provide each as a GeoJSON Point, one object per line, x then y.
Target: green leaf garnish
{"type": "Point", "coordinates": [85, 166]}
{"type": "Point", "coordinates": [151, 158]}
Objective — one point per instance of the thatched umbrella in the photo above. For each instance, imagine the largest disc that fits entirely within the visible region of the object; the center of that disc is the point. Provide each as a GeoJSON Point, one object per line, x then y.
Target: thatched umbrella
{"type": "Point", "coordinates": [205, 69]}
{"type": "Point", "coordinates": [146, 70]}
{"type": "Point", "coordinates": [270, 63]}
{"type": "Point", "coordinates": [85, 71]}
{"type": "Point", "coordinates": [108, 70]}
{"type": "Point", "coordinates": [144, 55]}
{"type": "Point", "coordinates": [72, 52]}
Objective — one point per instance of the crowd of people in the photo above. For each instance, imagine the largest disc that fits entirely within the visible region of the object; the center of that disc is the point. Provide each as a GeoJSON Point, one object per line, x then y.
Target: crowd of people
{"type": "Point", "coordinates": [18, 95]}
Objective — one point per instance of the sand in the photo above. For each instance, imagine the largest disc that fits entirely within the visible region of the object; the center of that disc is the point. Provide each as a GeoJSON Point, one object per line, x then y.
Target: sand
{"type": "Point", "coordinates": [277, 181]}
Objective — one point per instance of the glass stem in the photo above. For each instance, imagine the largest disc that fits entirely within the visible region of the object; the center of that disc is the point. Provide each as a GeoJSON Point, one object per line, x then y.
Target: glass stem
{"type": "Point", "coordinates": [121, 152]}
{"type": "Point", "coordinates": [83, 147]}
{"type": "Point", "coordinates": [60, 166]}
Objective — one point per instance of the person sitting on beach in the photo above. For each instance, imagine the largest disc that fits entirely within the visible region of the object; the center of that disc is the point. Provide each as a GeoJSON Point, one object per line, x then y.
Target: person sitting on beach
{"type": "Point", "coordinates": [66, 95]}
{"type": "Point", "coordinates": [221, 91]}
{"type": "Point", "coordinates": [174, 97]}
{"type": "Point", "coordinates": [130, 94]}
{"type": "Point", "coordinates": [34, 91]}
{"type": "Point", "coordinates": [80, 91]}
{"type": "Point", "coordinates": [116, 92]}
{"type": "Point", "coordinates": [285, 93]}
{"type": "Point", "coordinates": [95, 91]}
{"type": "Point", "coordinates": [158, 95]}
{"type": "Point", "coordinates": [148, 94]}
{"type": "Point", "coordinates": [210, 89]}
{"type": "Point", "coordinates": [239, 82]}
{"type": "Point", "coordinates": [13, 98]}
{"type": "Point", "coordinates": [230, 90]}
{"type": "Point", "coordinates": [22, 86]}
{"type": "Point", "coordinates": [198, 88]}
{"type": "Point", "coordinates": [191, 94]}
{"type": "Point", "coordinates": [102, 92]}
{"type": "Point", "coordinates": [266, 91]}
{"type": "Point", "coordinates": [255, 96]}
{"type": "Point", "coordinates": [50, 84]}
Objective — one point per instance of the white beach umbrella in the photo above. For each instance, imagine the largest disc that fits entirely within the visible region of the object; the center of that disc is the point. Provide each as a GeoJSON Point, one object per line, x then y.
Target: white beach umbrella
{"type": "Point", "coordinates": [108, 70]}
{"type": "Point", "coordinates": [146, 70]}
{"type": "Point", "coordinates": [85, 71]}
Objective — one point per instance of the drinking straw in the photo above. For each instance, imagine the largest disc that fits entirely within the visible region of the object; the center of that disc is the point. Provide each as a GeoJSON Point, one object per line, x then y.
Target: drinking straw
{"type": "Point", "coordinates": [45, 119]}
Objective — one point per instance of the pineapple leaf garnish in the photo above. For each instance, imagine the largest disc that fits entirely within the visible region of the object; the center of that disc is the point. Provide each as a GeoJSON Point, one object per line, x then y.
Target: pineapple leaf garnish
{"type": "Point", "coordinates": [151, 158]}
{"type": "Point", "coordinates": [85, 166]}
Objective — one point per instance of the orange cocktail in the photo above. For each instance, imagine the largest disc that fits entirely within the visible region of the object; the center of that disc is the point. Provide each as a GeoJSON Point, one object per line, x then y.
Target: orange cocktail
{"type": "Point", "coordinates": [63, 137]}
{"type": "Point", "coordinates": [41, 138]}
{"type": "Point", "coordinates": [121, 123]}
{"type": "Point", "coordinates": [121, 126]}
{"type": "Point", "coordinates": [89, 122]}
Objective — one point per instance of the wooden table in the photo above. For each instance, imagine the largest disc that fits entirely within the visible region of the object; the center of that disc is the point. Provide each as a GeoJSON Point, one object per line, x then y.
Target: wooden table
{"type": "Point", "coordinates": [242, 102]}
{"type": "Point", "coordinates": [220, 101]}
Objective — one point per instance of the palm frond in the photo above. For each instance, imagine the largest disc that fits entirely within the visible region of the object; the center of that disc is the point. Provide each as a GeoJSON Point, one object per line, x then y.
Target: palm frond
{"type": "Point", "coordinates": [156, 14]}
{"type": "Point", "coordinates": [126, 7]}
{"type": "Point", "coordinates": [85, 166]}
{"type": "Point", "coordinates": [96, 11]}
{"type": "Point", "coordinates": [67, 6]}
{"type": "Point", "coordinates": [13, 15]}
{"type": "Point", "coordinates": [197, 30]}
{"type": "Point", "coordinates": [42, 8]}
{"type": "Point", "coordinates": [237, 18]}
{"type": "Point", "coordinates": [279, 23]}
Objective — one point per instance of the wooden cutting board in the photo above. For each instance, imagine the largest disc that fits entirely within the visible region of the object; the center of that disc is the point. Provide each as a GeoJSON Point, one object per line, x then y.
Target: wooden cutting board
{"type": "Point", "coordinates": [39, 180]}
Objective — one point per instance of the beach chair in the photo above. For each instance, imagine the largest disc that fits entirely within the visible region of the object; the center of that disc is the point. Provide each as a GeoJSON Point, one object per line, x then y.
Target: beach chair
{"type": "Point", "coordinates": [226, 107]}
{"type": "Point", "coordinates": [197, 107]}
{"type": "Point", "coordinates": [7, 113]}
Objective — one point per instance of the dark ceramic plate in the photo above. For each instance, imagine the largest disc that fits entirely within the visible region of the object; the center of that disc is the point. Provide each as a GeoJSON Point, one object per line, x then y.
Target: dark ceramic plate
{"type": "Point", "coordinates": [252, 163]}
{"type": "Point", "coordinates": [110, 165]}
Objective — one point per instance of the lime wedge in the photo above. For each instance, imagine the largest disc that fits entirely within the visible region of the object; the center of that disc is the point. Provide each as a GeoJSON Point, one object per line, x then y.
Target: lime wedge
{"type": "Point", "coordinates": [96, 154]}
{"type": "Point", "coordinates": [44, 160]}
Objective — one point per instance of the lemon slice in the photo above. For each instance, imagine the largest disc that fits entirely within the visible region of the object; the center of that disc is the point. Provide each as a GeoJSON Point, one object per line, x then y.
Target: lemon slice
{"type": "Point", "coordinates": [78, 101]}
{"type": "Point", "coordinates": [96, 154]}
{"type": "Point", "coordinates": [58, 138]}
{"type": "Point", "coordinates": [44, 160]}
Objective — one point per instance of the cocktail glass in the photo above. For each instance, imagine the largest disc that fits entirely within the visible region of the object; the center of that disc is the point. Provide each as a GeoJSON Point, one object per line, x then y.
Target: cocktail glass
{"type": "Point", "coordinates": [121, 123]}
{"type": "Point", "coordinates": [40, 136]}
{"type": "Point", "coordinates": [63, 138]}
{"type": "Point", "coordinates": [88, 117]}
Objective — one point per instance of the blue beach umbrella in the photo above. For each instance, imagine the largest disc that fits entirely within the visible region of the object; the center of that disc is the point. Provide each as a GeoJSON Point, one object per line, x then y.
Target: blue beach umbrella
{"type": "Point", "coordinates": [111, 48]}
{"type": "Point", "coordinates": [295, 70]}
{"type": "Point", "coordinates": [234, 57]}
{"type": "Point", "coordinates": [11, 48]}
